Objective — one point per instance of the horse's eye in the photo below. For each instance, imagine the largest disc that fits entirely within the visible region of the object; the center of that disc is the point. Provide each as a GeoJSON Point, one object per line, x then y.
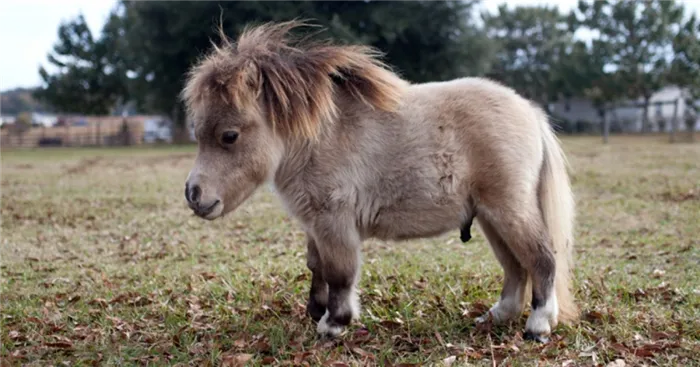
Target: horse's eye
{"type": "Point", "coordinates": [229, 137]}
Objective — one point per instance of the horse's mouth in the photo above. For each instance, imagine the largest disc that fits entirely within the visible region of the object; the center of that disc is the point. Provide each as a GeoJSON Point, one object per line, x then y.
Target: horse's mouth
{"type": "Point", "coordinates": [210, 212]}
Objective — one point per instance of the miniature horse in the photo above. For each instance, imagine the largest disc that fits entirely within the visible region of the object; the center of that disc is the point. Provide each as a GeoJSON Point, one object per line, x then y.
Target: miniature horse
{"type": "Point", "coordinates": [355, 152]}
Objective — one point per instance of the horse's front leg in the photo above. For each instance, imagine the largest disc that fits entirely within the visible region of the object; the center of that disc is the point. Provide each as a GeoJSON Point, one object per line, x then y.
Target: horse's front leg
{"type": "Point", "coordinates": [318, 294]}
{"type": "Point", "coordinates": [339, 251]}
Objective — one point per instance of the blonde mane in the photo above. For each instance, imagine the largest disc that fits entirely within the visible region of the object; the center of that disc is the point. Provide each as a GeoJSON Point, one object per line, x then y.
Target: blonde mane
{"type": "Point", "coordinates": [293, 81]}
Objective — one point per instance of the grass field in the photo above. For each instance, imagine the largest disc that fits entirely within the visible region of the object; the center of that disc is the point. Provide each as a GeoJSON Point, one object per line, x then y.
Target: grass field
{"type": "Point", "coordinates": [103, 264]}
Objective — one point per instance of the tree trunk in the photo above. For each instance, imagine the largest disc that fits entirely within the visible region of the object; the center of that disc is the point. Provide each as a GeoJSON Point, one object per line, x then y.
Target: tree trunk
{"type": "Point", "coordinates": [690, 125]}
{"type": "Point", "coordinates": [179, 127]}
{"type": "Point", "coordinates": [606, 126]}
{"type": "Point", "coordinates": [645, 116]}
{"type": "Point", "coordinates": [674, 121]}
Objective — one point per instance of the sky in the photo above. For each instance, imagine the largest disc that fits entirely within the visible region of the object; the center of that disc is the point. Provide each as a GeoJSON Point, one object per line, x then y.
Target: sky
{"type": "Point", "coordinates": [28, 30]}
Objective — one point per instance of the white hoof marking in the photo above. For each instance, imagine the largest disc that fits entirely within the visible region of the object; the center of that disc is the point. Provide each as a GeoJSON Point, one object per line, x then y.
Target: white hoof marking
{"type": "Point", "coordinates": [324, 329]}
{"type": "Point", "coordinates": [544, 318]}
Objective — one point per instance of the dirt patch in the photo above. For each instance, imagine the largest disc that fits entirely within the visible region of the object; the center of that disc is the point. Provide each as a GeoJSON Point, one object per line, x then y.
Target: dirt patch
{"type": "Point", "coordinates": [690, 195]}
{"type": "Point", "coordinates": [83, 165]}
{"type": "Point", "coordinates": [174, 160]}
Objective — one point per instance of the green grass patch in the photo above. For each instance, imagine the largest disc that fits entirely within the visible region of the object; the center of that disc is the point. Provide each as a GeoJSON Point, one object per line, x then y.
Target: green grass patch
{"type": "Point", "coordinates": [102, 263]}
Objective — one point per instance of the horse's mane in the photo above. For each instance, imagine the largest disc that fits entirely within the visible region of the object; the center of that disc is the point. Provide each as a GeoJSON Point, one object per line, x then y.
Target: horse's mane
{"type": "Point", "coordinates": [295, 79]}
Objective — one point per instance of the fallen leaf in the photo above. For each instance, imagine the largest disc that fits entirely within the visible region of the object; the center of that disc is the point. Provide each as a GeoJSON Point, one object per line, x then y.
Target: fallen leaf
{"type": "Point", "coordinates": [616, 363]}
{"type": "Point", "coordinates": [235, 360]}
{"type": "Point", "coordinates": [363, 353]}
{"type": "Point", "coordinates": [60, 345]}
{"type": "Point", "coordinates": [16, 336]}
{"type": "Point", "coordinates": [268, 360]}
{"type": "Point", "coordinates": [477, 310]}
{"type": "Point", "coordinates": [300, 357]}
{"type": "Point", "coordinates": [239, 343]}
{"type": "Point", "coordinates": [449, 360]}
{"type": "Point", "coordinates": [593, 316]}
{"type": "Point", "coordinates": [389, 324]}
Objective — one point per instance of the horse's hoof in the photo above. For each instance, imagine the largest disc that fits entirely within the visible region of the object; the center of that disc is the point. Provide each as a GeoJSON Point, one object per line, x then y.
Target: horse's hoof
{"type": "Point", "coordinates": [315, 310]}
{"type": "Point", "coordinates": [535, 337]}
{"type": "Point", "coordinates": [327, 330]}
{"type": "Point", "coordinates": [483, 318]}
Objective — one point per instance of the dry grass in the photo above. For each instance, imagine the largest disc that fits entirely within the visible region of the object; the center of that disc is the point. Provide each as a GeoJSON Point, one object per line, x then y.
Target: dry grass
{"type": "Point", "coordinates": [103, 264]}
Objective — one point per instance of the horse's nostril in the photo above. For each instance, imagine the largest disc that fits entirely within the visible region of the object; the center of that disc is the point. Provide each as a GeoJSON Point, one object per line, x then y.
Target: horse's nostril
{"type": "Point", "coordinates": [187, 191]}
{"type": "Point", "coordinates": [195, 193]}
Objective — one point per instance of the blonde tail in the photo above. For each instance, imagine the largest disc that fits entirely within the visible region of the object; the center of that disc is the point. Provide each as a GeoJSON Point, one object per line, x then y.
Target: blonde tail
{"type": "Point", "coordinates": [558, 208]}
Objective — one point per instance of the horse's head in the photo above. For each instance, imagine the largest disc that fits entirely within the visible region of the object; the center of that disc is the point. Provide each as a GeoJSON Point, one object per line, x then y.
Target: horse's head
{"type": "Point", "coordinates": [249, 100]}
{"type": "Point", "coordinates": [237, 152]}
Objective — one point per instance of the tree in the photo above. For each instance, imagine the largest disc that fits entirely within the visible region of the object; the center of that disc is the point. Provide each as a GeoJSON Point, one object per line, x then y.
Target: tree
{"type": "Point", "coordinates": [636, 36]}
{"type": "Point", "coordinates": [580, 73]}
{"type": "Point", "coordinates": [533, 40]}
{"type": "Point", "coordinates": [86, 80]}
{"type": "Point", "coordinates": [685, 71]}
{"type": "Point", "coordinates": [423, 40]}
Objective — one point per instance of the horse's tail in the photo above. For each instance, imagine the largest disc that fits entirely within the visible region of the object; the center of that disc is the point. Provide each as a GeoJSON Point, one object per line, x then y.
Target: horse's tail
{"type": "Point", "coordinates": [558, 210]}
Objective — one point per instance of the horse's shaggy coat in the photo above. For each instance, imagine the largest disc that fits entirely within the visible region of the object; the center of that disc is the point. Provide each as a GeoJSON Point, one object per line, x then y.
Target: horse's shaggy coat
{"type": "Point", "coordinates": [356, 152]}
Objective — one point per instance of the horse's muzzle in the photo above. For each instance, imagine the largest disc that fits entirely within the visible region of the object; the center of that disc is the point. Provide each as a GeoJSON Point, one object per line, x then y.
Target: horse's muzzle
{"type": "Point", "coordinates": [209, 209]}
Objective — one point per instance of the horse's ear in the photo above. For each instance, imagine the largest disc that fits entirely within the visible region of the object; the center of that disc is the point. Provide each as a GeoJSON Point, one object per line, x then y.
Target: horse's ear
{"type": "Point", "coordinates": [251, 78]}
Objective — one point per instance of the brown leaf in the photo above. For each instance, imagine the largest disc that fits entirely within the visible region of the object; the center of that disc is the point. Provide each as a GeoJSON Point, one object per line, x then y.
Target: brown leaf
{"type": "Point", "coordinates": [477, 309]}
{"type": "Point", "coordinates": [660, 335]}
{"type": "Point", "coordinates": [593, 316]}
{"type": "Point", "coordinates": [235, 360]}
{"type": "Point", "coordinates": [268, 360]}
{"type": "Point", "coordinates": [98, 302]}
{"type": "Point", "coordinates": [643, 353]}
{"type": "Point", "coordinates": [239, 343]}
{"type": "Point", "coordinates": [34, 320]}
{"type": "Point", "coordinates": [60, 345]}
{"type": "Point", "coordinates": [363, 353]}
{"type": "Point", "coordinates": [390, 324]}
{"type": "Point", "coordinates": [208, 276]}
{"type": "Point", "coordinates": [300, 357]}
{"type": "Point", "coordinates": [620, 348]}
{"type": "Point", "coordinates": [261, 346]}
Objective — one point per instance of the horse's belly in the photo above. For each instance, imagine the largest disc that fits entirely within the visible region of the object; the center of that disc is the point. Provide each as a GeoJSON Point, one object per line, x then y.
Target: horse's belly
{"type": "Point", "coordinates": [418, 221]}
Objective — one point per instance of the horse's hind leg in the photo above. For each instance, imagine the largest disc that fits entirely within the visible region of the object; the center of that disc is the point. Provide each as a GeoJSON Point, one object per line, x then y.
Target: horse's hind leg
{"type": "Point", "coordinates": [520, 225]}
{"type": "Point", "coordinates": [318, 294]}
{"type": "Point", "coordinates": [512, 300]}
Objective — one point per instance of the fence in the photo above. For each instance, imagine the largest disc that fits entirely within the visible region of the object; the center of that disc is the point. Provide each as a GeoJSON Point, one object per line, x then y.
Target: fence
{"type": "Point", "coordinates": [106, 131]}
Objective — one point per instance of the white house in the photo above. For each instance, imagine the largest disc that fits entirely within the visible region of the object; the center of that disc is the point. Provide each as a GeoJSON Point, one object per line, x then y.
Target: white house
{"type": "Point", "coordinates": [7, 119]}
{"type": "Point", "coordinates": [666, 111]}
{"type": "Point", "coordinates": [581, 110]}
